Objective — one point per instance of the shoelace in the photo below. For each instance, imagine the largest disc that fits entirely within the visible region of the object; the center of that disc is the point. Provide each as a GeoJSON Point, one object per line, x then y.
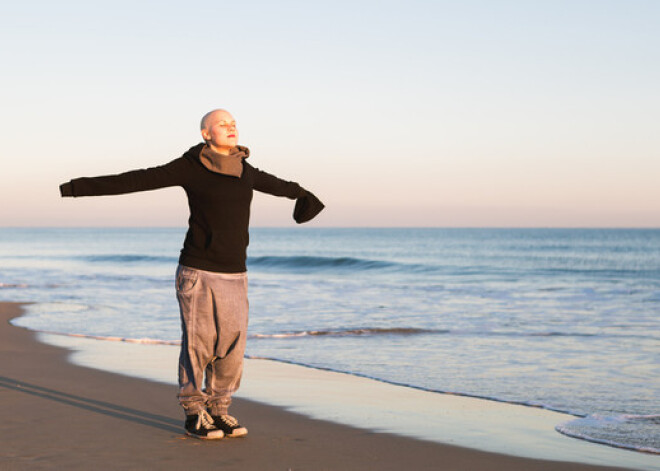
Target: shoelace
{"type": "Point", "coordinates": [228, 419]}
{"type": "Point", "coordinates": [204, 420]}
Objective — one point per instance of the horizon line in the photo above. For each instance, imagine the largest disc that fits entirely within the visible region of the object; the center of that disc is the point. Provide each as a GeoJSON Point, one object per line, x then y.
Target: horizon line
{"type": "Point", "coordinates": [342, 227]}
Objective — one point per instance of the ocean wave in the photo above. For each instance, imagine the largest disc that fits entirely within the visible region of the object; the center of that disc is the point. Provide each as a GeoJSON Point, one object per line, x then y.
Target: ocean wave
{"type": "Point", "coordinates": [319, 263]}
{"type": "Point", "coordinates": [600, 271]}
{"type": "Point", "coordinates": [350, 332]}
{"type": "Point", "coordinates": [306, 261]}
{"type": "Point", "coordinates": [305, 333]}
{"type": "Point", "coordinates": [363, 332]}
{"type": "Point", "coordinates": [372, 331]}
{"type": "Point", "coordinates": [559, 334]}
{"type": "Point", "coordinates": [487, 333]}
{"type": "Point", "coordinates": [127, 258]}
{"type": "Point", "coordinates": [615, 431]}
{"type": "Point", "coordinates": [267, 261]}
{"type": "Point", "coordinates": [109, 338]}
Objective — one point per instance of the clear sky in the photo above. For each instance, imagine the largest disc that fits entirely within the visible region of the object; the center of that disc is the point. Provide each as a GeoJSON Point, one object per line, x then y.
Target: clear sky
{"type": "Point", "coordinates": [417, 113]}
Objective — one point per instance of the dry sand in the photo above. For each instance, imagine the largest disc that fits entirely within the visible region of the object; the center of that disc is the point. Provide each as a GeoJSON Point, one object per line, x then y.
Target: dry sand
{"type": "Point", "coordinates": [56, 415]}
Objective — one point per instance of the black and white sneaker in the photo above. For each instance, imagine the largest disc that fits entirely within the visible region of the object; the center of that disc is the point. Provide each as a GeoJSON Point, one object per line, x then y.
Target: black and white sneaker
{"type": "Point", "coordinates": [229, 425]}
{"type": "Point", "coordinates": [200, 425]}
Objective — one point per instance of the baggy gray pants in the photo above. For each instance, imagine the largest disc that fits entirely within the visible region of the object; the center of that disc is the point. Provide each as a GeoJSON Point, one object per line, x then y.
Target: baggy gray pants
{"type": "Point", "coordinates": [214, 318]}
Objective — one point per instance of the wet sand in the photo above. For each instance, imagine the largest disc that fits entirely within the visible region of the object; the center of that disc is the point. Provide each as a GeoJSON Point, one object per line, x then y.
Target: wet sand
{"type": "Point", "coordinates": [57, 415]}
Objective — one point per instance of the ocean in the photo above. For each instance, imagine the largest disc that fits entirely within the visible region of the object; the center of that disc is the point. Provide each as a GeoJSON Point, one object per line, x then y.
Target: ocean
{"type": "Point", "coordinates": [564, 319]}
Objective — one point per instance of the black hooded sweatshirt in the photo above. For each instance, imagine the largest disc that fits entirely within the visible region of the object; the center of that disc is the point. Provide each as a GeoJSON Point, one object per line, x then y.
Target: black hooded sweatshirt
{"type": "Point", "coordinates": [217, 236]}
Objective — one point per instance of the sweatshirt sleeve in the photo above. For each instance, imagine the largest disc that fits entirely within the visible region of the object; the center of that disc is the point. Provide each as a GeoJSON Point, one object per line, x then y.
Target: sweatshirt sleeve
{"type": "Point", "coordinates": [267, 183]}
{"type": "Point", "coordinates": [307, 205]}
{"type": "Point", "coordinates": [171, 174]}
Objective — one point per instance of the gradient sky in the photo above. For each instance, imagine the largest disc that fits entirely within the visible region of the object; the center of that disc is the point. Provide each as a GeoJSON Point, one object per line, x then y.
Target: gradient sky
{"type": "Point", "coordinates": [417, 113]}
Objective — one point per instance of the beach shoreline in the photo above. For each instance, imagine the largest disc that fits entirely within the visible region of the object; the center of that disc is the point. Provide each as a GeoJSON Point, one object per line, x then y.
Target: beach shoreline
{"type": "Point", "coordinates": [60, 414]}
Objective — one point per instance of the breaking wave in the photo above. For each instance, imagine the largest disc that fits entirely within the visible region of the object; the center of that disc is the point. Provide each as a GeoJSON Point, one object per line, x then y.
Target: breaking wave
{"type": "Point", "coordinates": [303, 261]}
{"type": "Point", "coordinates": [350, 332]}
{"type": "Point", "coordinates": [127, 258]}
{"type": "Point", "coordinates": [296, 262]}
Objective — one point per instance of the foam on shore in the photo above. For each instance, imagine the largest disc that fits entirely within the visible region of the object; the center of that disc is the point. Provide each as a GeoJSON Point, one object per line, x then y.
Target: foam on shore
{"type": "Point", "coordinates": [370, 404]}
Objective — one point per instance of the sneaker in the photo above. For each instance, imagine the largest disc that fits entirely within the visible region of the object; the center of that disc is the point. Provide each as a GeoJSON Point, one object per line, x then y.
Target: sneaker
{"type": "Point", "coordinates": [201, 426]}
{"type": "Point", "coordinates": [229, 425]}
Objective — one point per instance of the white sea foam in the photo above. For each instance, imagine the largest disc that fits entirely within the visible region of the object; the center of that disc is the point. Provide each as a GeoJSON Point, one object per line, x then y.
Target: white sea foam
{"type": "Point", "coordinates": [145, 341]}
{"type": "Point", "coordinates": [588, 428]}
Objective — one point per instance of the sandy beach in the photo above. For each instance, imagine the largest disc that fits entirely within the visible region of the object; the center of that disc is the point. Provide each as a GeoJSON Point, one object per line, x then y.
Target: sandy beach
{"type": "Point", "coordinates": [57, 415]}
